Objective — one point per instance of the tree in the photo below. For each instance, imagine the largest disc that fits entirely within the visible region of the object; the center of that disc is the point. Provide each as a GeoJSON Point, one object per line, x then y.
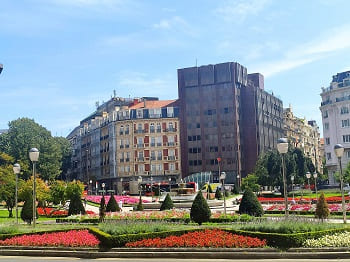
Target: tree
{"type": "Point", "coordinates": [322, 210]}
{"type": "Point", "coordinates": [27, 210]}
{"type": "Point", "coordinates": [74, 192]}
{"type": "Point", "coordinates": [7, 182]}
{"type": "Point", "coordinates": [218, 194]}
{"type": "Point", "coordinates": [251, 181]}
{"type": "Point", "coordinates": [200, 211]}
{"type": "Point", "coordinates": [24, 134]}
{"type": "Point", "coordinates": [42, 190]}
{"type": "Point", "coordinates": [57, 192]}
{"type": "Point", "coordinates": [250, 204]}
{"type": "Point", "coordinates": [66, 151]}
{"type": "Point", "coordinates": [112, 205]}
{"type": "Point", "coordinates": [139, 206]}
{"type": "Point", "coordinates": [102, 209]}
{"type": "Point", "coordinates": [167, 203]}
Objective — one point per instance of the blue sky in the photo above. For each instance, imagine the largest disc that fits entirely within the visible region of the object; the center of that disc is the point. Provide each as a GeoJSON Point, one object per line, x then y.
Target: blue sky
{"type": "Point", "coordinates": [61, 56]}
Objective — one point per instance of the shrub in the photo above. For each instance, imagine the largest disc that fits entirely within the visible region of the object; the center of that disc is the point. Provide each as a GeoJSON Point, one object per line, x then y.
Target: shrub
{"type": "Point", "coordinates": [167, 203]}
{"type": "Point", "coordinates": [139, 206]}
{"type": "Point", "coordinates": [27, 210]}
{"type": "Point", "coordinates": [210, 189]}
{"type": "Point", "coordinates": [236, 189]}
{"type": "Point", "coordinates": [322, 210]}
{"type": "Point", "coordinates": [250, 204]}
{"type": "Point", "coordinates": [218, 194]}
{"type": "Point", "coordinates": [102, 209]}
{"type": "Point", "coordinates": [112, 205]}
{"type": "Point", "coordinates": [200, 211]}
{"type": "Point", "coordinates": [76, 205]}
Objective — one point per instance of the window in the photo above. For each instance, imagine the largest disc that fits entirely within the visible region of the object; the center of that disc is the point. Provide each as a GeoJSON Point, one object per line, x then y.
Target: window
{"type": "Point", "coordinates": [171, 127]}
{"type": "Point", "coordinates": [329, 156]}
{"type": "Point", "coordinates": [348, 154]}
{"type": "Point", "coordinates": [151, 128]}
{"type": "Point", "coordinates": [159, 129]}
{"type": "Point", "coordinates": [139, 113]}
{"type": "Point", "coordinates": [153, 141]}
{"type": "Point", "coordinates": [326, 126]}
{"type": "Point", "coordinates": [345, 123]}
{"type": "Point", "coordinates": [159, 155]}
{"type": "Point", "coordinates": [325, 114]}
{"type": "Point", "coordinates": [121, 130]}
{"type": "Point", "coordinates": [172, 166]}
{"type": "Point", "coordinates": [140, 154]}
{"type": "Point", "coordinates": [327, 141]}
{"type": "Point", "coordinates": [346, 138]}
{"type": "Point", "coordinates": [127, 129]}
{"type": "Point", "coordinates": [155, 112]}
{"type": "Point", "coordinates": [153, 155]}
{"type": "Point", "coordinates": [141, 168]}
{"type": "Point", "coordinates": [170, 111]}
{"type": "Point", "coordinates": [344, 110]}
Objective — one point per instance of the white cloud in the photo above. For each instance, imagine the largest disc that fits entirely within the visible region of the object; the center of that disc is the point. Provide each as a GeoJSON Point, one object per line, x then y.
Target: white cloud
{"type": "Point", "coordinates": [239, 10]}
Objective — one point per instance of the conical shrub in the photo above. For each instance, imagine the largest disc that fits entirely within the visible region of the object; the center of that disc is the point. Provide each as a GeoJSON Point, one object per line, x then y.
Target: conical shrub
{"type": "Point", "coordinates": [200, 211]}
{"type": "Point", "coordinates": [102, 209]}
{"type": "Point", "coordinates": [250, 204]}
{"type": "Point", "coordinates": [27, 210]}
{"type": "Point", "coordinates": [167, 203]}
{"type": "Point", "coordinates": [76, 206]}
{"type": "Point", "coordinates": [322, 210]}
{"type": "Point", "coordinates": [112, 205]}
{"type": "Point", "coordinates": [218, 194]}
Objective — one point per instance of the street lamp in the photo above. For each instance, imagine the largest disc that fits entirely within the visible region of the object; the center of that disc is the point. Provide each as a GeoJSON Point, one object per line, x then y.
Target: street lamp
{"type": "Point", "coordinates": [282, 147]}
{"type": "Point", "coordinates": [219, 160]}
{"type": "Point", "coordinates": [152, 188]}
{"type": "Point", "coordinates": [292, 179]}
{"type": "Point", "coordinates": [1, 67]}
{"type": "Point", "coordinates": [16, 170]}
{"type": "Point", "coordinates": [169, 185]}
{"type": "Point", "coordinates": [222, 179]}
{"type": "Point", "coordinates": [34, 157]}
{"type": "Point", "coordinates": [139, 181]}
{"type": "Point", "coordinates": [315, 177]}
{"type": "Point", "coordinates": [238, 181]}
{"type": "Point", "coordinates": [339, 151]}
{"type": "Point", "coordinates": [103, 189]}
{"type": "Point", "coordinates": [308, 175]}
{"type": "Point", "coordinates": [90, 186]}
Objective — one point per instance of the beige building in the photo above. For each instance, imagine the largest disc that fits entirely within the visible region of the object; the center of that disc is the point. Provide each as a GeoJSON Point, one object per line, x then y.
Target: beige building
{"type": "Point", "coordinates": [305, 135]}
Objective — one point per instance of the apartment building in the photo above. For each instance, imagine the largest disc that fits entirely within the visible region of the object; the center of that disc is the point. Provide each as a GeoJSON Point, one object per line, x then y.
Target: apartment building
{"type": "Point", "coordinates": [303, 134]}
{"type": "Point", "coordinates": [336, 121]}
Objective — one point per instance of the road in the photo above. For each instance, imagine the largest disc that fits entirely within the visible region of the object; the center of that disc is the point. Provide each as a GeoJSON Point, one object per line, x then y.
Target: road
{"type": "Point", "coordinates": [67, 259]}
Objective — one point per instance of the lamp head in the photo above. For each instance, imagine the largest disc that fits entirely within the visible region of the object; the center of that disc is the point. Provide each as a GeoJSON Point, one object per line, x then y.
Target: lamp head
{"type": "Point", "coordinates": [308, 175]}
{"type": "Point", "coordinates": [282, 145]}
{"type": "Point", "coordinates": [34, 154]}
{"type": "Point", "coordinates": [16, 168]}
{"type": "Point", "coordinates": [339, 150]}
{"type": "Point", "coordinates": [315, 175]}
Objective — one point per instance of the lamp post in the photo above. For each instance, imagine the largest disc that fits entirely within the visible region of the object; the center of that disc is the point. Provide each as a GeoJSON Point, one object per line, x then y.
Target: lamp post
{"type": "Point", "coordinates": [282, 147]}
{"type": "Point", "coordinates": [222, 179]}
{"type": "Point", "coordinates": [90, 186]}
{"type": "Point", "coordinates": [339, 151]}
{"type": "Point", "coordinates": [1, 67]}
{"type": "Point", "coordinates": [16, 170]}
{"type": "Point", "coordinates": [315, 177]}
{"type": "Point", "coordinates": [103, 189]}
{"type": "Point", "coordinates": [34, 157]}
{"type": "Point", "coordinates": [292, 179]}
{"type": "Point", "coordinates": [238, 184]}
{"type": "Point", "coordinates": [308, 175]}
{"type": "Point", "coordinates": [169, 185]}
{"type": "Point", "coordinates": [152, 188]}
{"type": "Point", "coordinates": [139, 181]}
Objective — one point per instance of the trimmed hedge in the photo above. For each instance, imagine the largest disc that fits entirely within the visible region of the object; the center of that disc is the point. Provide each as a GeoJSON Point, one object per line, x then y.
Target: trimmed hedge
{"type": "Point", "coordinates": [285, 241]}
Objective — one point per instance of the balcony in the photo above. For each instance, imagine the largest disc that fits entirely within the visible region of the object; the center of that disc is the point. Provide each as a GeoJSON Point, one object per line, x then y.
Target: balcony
{"type": "Point", "coordinates": [159, 130]}
{"type": "Point", "coordinates": [121, 146]}
{"type": "Point", "coordinates": [159, 157]}
{"type": "Point", "coordinates": [327, 102]}
{"type": "Point", "coordinates": [127, 159]}
{"type": "Point", "coordinates": [152, 130]}
{"type": "Point", "coordinates": [153, 144]}
{"type": "Point", "coordinates": [159, 144]}
{"type": "Point", "coordinates": [171, 129]}
{"type": "Point", "coordinates": [126, 132]}
{"type": "Point", "coordinates": [127, 146]}
{"type": "Point", "coordinates": [140, 159]}
{"type": "Point", "coordinates": [140, 145]}
{"type": "Point", "coordinates": [171, 158]}
{"type": "Point", "coordinates": [171, 143]}
{"type": "Point", "coordinates": [121, 160]}
{"type": "Point", "coordinates": [139, 131]}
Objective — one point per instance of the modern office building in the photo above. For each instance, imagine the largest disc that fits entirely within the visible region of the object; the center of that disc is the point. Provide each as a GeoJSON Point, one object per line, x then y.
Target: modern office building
{"type": "Point", "coordinates": [226, 120]}
{"type": "Point", "coordinates": [336, 121]}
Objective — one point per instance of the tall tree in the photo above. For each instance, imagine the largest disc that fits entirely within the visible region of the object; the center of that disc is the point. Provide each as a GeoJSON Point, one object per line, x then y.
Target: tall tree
{"type": "Point", "coordinates": [24, 134]}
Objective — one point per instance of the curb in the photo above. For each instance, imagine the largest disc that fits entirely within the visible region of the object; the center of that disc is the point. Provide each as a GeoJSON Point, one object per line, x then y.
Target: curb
{"type": "Point", "coordinates": [183, 253]}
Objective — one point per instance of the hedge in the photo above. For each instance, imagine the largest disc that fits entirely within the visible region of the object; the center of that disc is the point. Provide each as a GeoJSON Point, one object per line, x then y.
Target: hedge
{"type": "Point", "coordinates": [285, 241]}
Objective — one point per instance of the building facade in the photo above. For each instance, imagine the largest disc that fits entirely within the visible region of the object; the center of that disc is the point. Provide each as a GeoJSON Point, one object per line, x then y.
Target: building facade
{"type": "Point", "coordinates": [122, 141]}
{"type": "Point", "coordinates": [305, 135]}
{"type": "Point", "coordinates": [336, 121]}
{"type": "Point", "coordinates": [226, 120]}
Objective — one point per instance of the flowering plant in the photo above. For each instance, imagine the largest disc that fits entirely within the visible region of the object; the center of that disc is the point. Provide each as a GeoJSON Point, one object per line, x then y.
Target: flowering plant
{"type": "Point", "coordinates": [49, 211]}
{"type": "Point", "coordinates": [72, 238]}
{"type": "Point", "coordinates": [334, 240]}
{"type": "Point", "coordinates": [206, 238]}
{"type": "Point", "coordinates": [124, 199]}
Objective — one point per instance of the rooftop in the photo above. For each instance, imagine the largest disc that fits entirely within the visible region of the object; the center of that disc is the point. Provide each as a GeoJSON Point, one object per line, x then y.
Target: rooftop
{"type": "Point", "coordinates": [154, 104]}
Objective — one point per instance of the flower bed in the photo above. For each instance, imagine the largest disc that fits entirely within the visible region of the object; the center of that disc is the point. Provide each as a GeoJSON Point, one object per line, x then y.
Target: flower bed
{"type": "Point", "coordinates": [305, 207]}
{"type": "Point", "coordinates": [334, 199]}
{"type": "Point", "coordinates": [207, 238]}
{"type": "Point", "coordinates": [72, 238]}
{"type": "Point", "coordinates": [51, 212]}
{"type": "Point", "coordinates": [125, 199]}
{"type": "Point", "coordinates": [335, 240]}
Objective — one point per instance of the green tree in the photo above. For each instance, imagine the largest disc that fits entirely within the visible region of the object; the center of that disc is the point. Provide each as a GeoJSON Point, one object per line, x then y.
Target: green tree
{"type": "Point", "coordinates": [27, 210]}
{"type": "Point", "coordinates": [112, 205]}
{"type": "Point", "coordinates": [57, 190]}
{"type": "Point", "coordinates": [250, 181]}
{"type": "Point", "coordinates": [102, 209]}
{"type": "Point", "coordinates": [167, 203]}
{"type": "Point", "coordinates": [200, 211]}
{"type": "Point", "coordinates": [218, 194]}
{"type": "Point", "coordinates": [42, 190]}
{"type": "Point", "coordinates": [66, 151]}
{"type": "Point", "coordinates": [24, 134]}
{"type": "Point", "coordinates": [322, 210]}
{"type": "Point", "coordinates": [250, 204]}
{"type": "Point", "coordinates": [74, 192]}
